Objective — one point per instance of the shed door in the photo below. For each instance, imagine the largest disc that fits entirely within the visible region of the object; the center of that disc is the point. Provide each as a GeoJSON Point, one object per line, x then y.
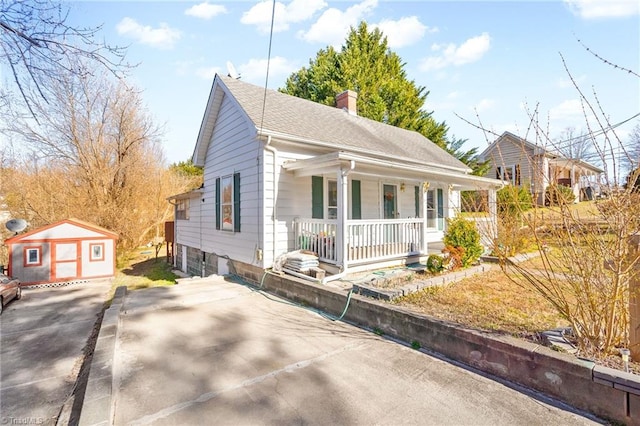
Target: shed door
{"type": "Point", "coordinates": [65, 262]}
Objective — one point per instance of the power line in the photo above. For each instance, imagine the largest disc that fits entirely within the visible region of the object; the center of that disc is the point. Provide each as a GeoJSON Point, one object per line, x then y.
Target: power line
{"type": "Point", "coordinates": [266, 81]}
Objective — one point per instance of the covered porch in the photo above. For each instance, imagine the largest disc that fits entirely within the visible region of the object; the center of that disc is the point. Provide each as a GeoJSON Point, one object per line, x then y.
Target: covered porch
{"type": "Point", "coordinates": [380, 211]}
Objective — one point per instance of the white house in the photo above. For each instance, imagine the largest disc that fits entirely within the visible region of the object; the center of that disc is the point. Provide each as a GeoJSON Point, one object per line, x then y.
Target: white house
{"type": "Point", "coordinates": [527, 165]}
{"type": "Point", "coordinates": [283, 173]}
{"type": "Point", "coordinates": [69, 250]}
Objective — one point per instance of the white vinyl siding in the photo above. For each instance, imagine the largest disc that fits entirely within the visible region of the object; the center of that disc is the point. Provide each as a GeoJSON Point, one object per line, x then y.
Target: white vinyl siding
{"type": "Point", "coordinates": [233, 149]}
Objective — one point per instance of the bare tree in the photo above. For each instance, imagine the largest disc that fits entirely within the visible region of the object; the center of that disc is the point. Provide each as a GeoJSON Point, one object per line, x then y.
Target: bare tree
{"type": "Point", "coordinates": [587, 259]}
{"type": "Point", "coordinates": [38, 44]}
{"type": "Point", "coordinates": [94, 154]}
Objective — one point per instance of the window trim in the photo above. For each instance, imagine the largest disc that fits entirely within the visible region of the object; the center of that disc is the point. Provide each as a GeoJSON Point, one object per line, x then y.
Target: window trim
{"type": "Point", "coordinates": [93, 258]}
{"type": "Point", "coordinates": [226, 184]}
{"type": "Point", "coordinates": [231, 204]}
{"type": "Point", "coordinates": [25, 258]}
{"type": "Point", "coordinates": [329, 206]}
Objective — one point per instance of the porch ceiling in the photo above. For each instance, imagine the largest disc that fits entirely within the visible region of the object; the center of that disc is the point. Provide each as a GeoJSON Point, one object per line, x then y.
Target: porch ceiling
{"type": "Point", "coordinates": [363, 165]}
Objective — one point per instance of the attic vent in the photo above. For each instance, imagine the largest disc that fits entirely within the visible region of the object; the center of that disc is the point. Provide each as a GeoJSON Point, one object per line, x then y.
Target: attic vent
{"type": "Point", "coordinates": [347, 101]}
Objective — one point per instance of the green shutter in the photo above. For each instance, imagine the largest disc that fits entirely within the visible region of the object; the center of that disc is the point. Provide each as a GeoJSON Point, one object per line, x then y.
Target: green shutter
{"type": "Point", "coordinates": [317, 200]}
{"type": "Point", "coordinates": [356, 206]}
{"type": "Point", "coordinates": [440, 210]}
{"type": "Point", "coordinates": [416, 199]}
{"type": "Point", "coordinates": [217, 203]}
{"type": "Point", "coordinates": [236, 202]}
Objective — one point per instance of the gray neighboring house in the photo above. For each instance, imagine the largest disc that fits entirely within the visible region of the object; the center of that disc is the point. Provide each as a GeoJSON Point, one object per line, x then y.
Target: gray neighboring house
{"type": "Point", "coordinates": [283, 173]}
{"type": "Point", "coordinates": [525, 164]}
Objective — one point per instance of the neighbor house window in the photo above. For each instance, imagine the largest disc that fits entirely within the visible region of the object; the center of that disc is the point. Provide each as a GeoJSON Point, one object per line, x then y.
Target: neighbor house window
{"type": "Point", "coordinates": [96, 252]}
{"type": "Point", "coordinates": [509, 173]}
{"type": "Point", "coordinates": [33, 256]}
{"type": "Point", "coordinates": [228, 203]}
{"type": "Point", "coordinates": [182, 209]}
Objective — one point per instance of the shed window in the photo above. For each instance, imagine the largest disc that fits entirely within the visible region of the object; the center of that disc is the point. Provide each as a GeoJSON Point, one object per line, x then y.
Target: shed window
{"type": "Point", "coordinates": [97, 252]}
{"type": "Point", "coordinates": [33, 256]}
{"type": "Point", "coordinates": [182, 209]}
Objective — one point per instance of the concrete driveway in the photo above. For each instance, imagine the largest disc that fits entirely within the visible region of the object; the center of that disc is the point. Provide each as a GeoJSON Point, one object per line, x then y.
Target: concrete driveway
{"type": "Point", "coordinates": [217, 352]}
{"type": "Point", "coordinates": [42, 337]}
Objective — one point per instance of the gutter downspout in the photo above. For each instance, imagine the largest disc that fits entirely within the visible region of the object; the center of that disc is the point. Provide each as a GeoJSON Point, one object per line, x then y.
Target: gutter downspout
{"type": "Point", "coordinates": [273, 151]}
{"type": "Point", "coordinates": [343, 190]}
{"type": "Point", "coordinates": [175, 233]}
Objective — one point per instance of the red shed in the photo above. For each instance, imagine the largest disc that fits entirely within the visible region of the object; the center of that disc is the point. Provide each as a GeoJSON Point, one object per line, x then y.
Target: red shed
{"type": "Point", "coordinates": [68, 250]}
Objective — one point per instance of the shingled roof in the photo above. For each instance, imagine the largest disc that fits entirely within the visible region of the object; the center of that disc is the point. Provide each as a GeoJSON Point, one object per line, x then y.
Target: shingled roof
{"type": "Point", "coordinates": [304, 120]}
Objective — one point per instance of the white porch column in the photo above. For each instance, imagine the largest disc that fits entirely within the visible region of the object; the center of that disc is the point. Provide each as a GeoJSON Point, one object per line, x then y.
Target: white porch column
{"type": "Point", "coordinates": [423, 191]}
{"type": "Point", "coordinates": [342, 216]}
{"type": "Point", "coordinates": [493, 215]}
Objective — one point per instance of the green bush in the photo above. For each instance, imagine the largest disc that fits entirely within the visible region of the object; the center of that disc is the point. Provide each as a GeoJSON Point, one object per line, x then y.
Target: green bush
{"type": "Point", "coordinates": [435, 264]}
{"type": "Point", "coordinates": [463, 233]}
{"type": "Point", "coordinates": [513, 200]}
{"type": "Point", "coordinates": [556, 195]}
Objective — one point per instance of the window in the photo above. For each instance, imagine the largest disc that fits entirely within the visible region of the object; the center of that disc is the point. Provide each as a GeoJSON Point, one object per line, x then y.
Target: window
{"type": "Point", "coordinates": [332, 199]}
{"type": "Point", "coordinates": [509, 173]}
{"type": "Point", "coordinates": [435, 209]}
{"type": "Point", "coordinates": [96, 252]}
{"type": "Point", "coordinates": [182, 209]}
{"type": "Point", "coordinates": [228, 203]}
{"type": "Point", "coordinates": [33, 256]}
{"type": "Point", "coordinates": [431, 209]}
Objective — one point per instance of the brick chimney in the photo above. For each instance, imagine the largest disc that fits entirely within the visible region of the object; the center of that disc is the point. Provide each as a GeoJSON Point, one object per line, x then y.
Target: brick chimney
{"type": "Point", "coordinates": [347, 101]}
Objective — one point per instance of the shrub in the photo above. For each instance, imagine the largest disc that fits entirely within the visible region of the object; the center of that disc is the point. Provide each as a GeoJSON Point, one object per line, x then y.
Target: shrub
{"type": "Point", "coordinates": [454, 257]}
{"type": "Point", "coordinates": [512, 201]}
{"type": "Point", "coordinates": [435, 264]}
{"type": "Point", "coordinates": [463, 233]}
{"type": "Point", "coordinates": [556, 195]}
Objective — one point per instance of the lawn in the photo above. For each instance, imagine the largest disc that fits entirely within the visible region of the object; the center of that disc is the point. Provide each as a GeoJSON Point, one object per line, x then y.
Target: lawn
{"type": "Point", "coordinates": [142, 270]}
{"type": "Point", "coordinates": [488, 301]}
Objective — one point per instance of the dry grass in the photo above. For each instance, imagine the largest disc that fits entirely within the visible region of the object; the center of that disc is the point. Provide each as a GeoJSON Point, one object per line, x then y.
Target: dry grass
{"type": "Point", "coordinates": [143, 270]}
{"type": "Point", "coordinates": [488, 301]}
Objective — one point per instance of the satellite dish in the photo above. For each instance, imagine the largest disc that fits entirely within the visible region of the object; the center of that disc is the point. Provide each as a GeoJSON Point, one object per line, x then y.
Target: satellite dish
{"type": "Point", "coordinates": [231, 71]}
{"type": "Point", "coordinates": [16, 225]}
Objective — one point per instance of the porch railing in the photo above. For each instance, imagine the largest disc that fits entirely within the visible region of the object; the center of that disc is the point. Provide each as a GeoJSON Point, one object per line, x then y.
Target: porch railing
{"type": "Point", "coordinates": [367, 240]}
{"type": "Point", "coordinates": [318, 236]}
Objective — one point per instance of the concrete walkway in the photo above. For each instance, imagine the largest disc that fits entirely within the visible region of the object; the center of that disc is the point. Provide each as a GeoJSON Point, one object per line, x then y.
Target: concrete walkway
{"type": "Point", "coordinates": [42, 337]}
{"type": "Point", "coordinates": [215, 352]}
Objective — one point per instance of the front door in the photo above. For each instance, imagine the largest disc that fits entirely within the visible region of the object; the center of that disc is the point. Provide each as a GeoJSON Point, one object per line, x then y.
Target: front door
{"type": "Point", "coordinates": [65, 260]}
{"type": "Point", "coordinates": [389, 201]}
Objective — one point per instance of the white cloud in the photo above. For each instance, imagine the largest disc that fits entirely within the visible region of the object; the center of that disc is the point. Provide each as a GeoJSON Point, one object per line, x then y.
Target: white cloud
{"type": "Point", "coordinates": [256, 69]}
{"type": "Point", "coordinates": [296, 11]}
{"type": "Point", "coordinates": [163, 37]}
{"type": "Point", "coordinates": [564, 83]}
{"type": "Point", "coordinates": [470, 51]}
{"type": "Point", "coordinates": [205, 10]}
{"type": "Point", "coordinates": [207, 72]}
{"type": "Point", "coordinates": [595, 9]}
{"type": "Point", "coordinates": [403, 32]}
{"type": "Point", "coordinates": [571, 108]}
{"type": "Point", "coordinates": [484, 105]}
{"type": "Point", "coordinates": [333, 25]}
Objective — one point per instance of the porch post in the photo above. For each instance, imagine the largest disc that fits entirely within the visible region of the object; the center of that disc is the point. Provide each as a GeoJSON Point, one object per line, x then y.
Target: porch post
{"type": "Point", "coordinates": [343, 214]}
{"type": "Point", "coordinates": [425, 220]}
{"type": "Point", "coordinates": [493, 215]}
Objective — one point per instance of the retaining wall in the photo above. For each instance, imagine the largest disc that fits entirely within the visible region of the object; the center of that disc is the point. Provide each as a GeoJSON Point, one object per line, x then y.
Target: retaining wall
{"type": "Point", "coordinates": [605, 392]}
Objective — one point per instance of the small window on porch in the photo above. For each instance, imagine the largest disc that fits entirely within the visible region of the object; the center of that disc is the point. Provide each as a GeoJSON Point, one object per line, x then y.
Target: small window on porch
{"type": "Point", "coordinates": [435, 209]}
{"type": "Point", "coordinates": [332, 199]}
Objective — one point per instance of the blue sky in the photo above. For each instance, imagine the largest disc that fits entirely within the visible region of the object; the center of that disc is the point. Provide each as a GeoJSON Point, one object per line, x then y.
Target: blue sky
{"type": "Point", "coordinates": [487, 59]}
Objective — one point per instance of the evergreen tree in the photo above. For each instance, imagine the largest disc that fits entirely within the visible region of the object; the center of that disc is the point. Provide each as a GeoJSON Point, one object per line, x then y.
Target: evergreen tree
{"type": "Point", "coordinates": [366, 65]}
